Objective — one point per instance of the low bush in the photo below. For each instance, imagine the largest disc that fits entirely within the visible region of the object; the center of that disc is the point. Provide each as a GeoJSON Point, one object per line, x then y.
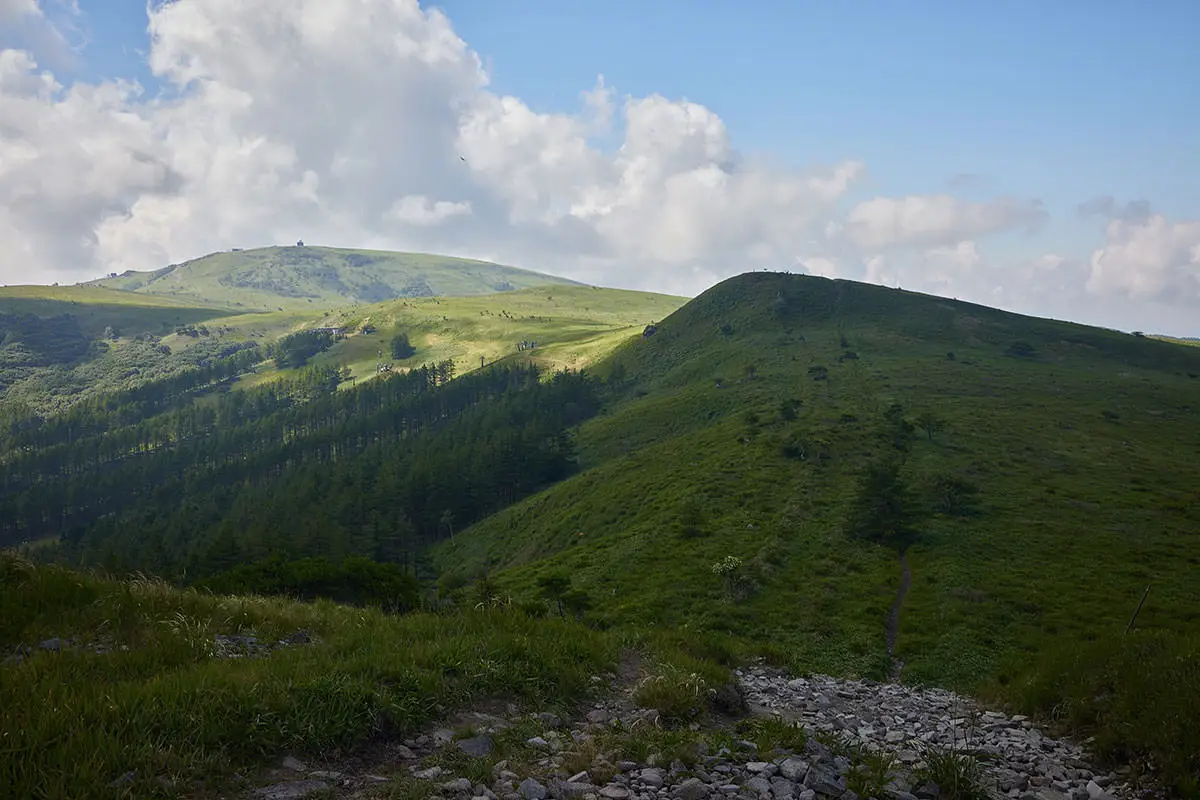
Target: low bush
{"type": "Point", "coordinates": [1138, 694]}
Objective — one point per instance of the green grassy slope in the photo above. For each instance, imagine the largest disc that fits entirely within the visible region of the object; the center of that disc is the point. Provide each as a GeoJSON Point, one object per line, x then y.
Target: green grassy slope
{"type": "Point", "coordinates": [271, 278]}
{"type": "Point", "coordinates": [1082, 452]}
{"type": "Point", "coordinates": [97, 307]}
{"type": "Point", "coordinates": [572, 326]}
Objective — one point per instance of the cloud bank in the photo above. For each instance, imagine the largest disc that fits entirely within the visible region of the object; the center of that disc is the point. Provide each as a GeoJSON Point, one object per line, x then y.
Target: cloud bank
{"type": "Point", "coordinates": [371, 123]}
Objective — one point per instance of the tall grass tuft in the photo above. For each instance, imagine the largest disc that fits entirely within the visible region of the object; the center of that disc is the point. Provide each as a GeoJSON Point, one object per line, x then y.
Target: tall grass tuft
{"type": "Point", "coordinates": [167, 709]}
{"type": "Point", "coordinates": [1137, 694]}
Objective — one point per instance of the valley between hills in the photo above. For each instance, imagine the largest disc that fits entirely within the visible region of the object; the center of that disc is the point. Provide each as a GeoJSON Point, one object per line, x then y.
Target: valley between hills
{"type": "Point", "coordinates": [323, 503]}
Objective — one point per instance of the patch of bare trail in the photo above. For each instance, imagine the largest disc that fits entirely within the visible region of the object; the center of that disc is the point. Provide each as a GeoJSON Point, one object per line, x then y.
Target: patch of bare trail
{"type": "Point", "coordinates": [1017, 759]}
{"type": "Point", "coordinates": [893, 619]}
{"type": "Point", "coordinates": [499, 752]}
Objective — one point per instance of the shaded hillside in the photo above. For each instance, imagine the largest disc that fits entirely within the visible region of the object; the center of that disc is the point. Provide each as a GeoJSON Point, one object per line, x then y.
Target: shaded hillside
{"type": "Point", "coordinates": [60, 345]}
{"type": "Point", "coordinates": [1040, 474]}
{"type": "Point", "coordinates": [95, 341]}
{"type": "Point", "coordinates": [270, 278]}
{"type": "Point", "coordinates": [94, 308]}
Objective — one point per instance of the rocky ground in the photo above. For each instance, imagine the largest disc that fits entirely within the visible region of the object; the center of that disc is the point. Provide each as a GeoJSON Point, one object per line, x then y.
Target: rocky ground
{"type": "Point", "coordinates": [1017, 758]}
{"type": "Point", "coordinates": [222, 646]}
{"type": "Point", "coordinates": [865, 739]}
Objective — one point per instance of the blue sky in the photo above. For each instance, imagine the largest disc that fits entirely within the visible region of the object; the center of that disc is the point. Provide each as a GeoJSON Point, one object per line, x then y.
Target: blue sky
{"type": "Point", "coordinates": [1057, 102]}
{"type": "Point", "coordinates": [1067, 100]}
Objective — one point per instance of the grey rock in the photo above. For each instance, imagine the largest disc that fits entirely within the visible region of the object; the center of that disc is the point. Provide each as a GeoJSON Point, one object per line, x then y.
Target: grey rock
{"type": "Point", "coordinates": [477, 746]}
{"type": "Point", "coordinates": [431, 774]}
{"type": "Point", "coordinates": [823, 780]}
{"type": "Point", "coordinates": [291, 790]}
{"type": "Point", "coordinates": [817, 751]}
{"type": "Point", "coordinates": [758, 785]}
{"type": "Point", "coordinates": [294, 764]}
{"type": "Point", "coordinates": [458, 786]}
{"type": "Point", "coordinates": [692, 789]}
{"type": "Point", "coordinates": [404, 753]}
{"type": "Point", "coordinates": [299, 637]}
{"type": "Point", "coordinates": [326, 774]}
{"type": "Point", "coordinates": [614, 792]}
{"type": "Point", "coordinates": [652, 777]}
{"type": "Point", "coordinates": [530, 789]}
{"type": "Point", "coordinates": [568, 789]}
{"type": "Point", "coordinates": [598, 717]}
{"type": "Point", "coordinates": [793, 768]}
{"type": "Point", "coordinates": [538, 742]}
{"type": "Point", "coordinates": [759, 766]}
{"type": "Point", "coordinates": [782, 788]}
{"type": "Point", "coordinates": [127, 778]}
{"type": "Point", "coordinates": [54, 644]}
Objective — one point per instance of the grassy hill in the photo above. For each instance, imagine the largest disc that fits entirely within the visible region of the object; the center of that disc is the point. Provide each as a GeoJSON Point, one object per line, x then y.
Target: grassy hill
{"type": "Point", "coordinates": [60, 345]}
{"type": "Point", "coordinates": [155, 336]}
{"type": "Point", "coordinates": [277, 278]}
{"type": "Point", "coordinates": [786, 463]}
{"type": "Point", "coordinates": [1055, 479]}
{"type": "Point", "coordinates": [570, 326]}
{"type": "Point", "coordinates": [96, 308]}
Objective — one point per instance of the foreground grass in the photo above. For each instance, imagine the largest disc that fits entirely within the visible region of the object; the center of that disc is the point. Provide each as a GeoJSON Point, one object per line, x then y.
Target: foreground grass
{"type": "Point", "coordinates": [1138, 695]}
{"type": "Point", "coordinates": [168, 712]}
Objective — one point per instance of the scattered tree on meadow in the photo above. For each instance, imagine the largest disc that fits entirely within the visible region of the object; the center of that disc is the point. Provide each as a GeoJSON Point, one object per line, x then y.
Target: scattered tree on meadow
{"type": "Point", "coordinates": [556, 588]}
{"type": "Point", "coordinates": [930, 423]}
{"type": "Point", "coordinates": [883, 509]}
{"type": "Point", "coordinates": [401, 348]}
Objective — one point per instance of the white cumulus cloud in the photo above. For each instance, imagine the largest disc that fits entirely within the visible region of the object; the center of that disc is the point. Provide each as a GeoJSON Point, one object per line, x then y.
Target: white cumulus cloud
{"type": "Point", "coordinates": [1148, 257]}
{"type": "Point", "coordinates": [420, 210]}
{"type": "Point", "coordinates": [936, 220]}
{"type": "Point", "coordinates": [370, 123]}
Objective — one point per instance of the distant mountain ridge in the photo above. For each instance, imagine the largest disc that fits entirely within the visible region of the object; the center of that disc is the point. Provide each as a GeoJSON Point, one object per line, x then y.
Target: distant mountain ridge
{"type": "Point", "coordinates": [271, 278]}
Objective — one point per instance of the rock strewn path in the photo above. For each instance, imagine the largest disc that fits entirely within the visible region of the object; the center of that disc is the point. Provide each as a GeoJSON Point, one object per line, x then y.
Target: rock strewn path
{"type": "Point", "coordinates": [1022, 760]}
